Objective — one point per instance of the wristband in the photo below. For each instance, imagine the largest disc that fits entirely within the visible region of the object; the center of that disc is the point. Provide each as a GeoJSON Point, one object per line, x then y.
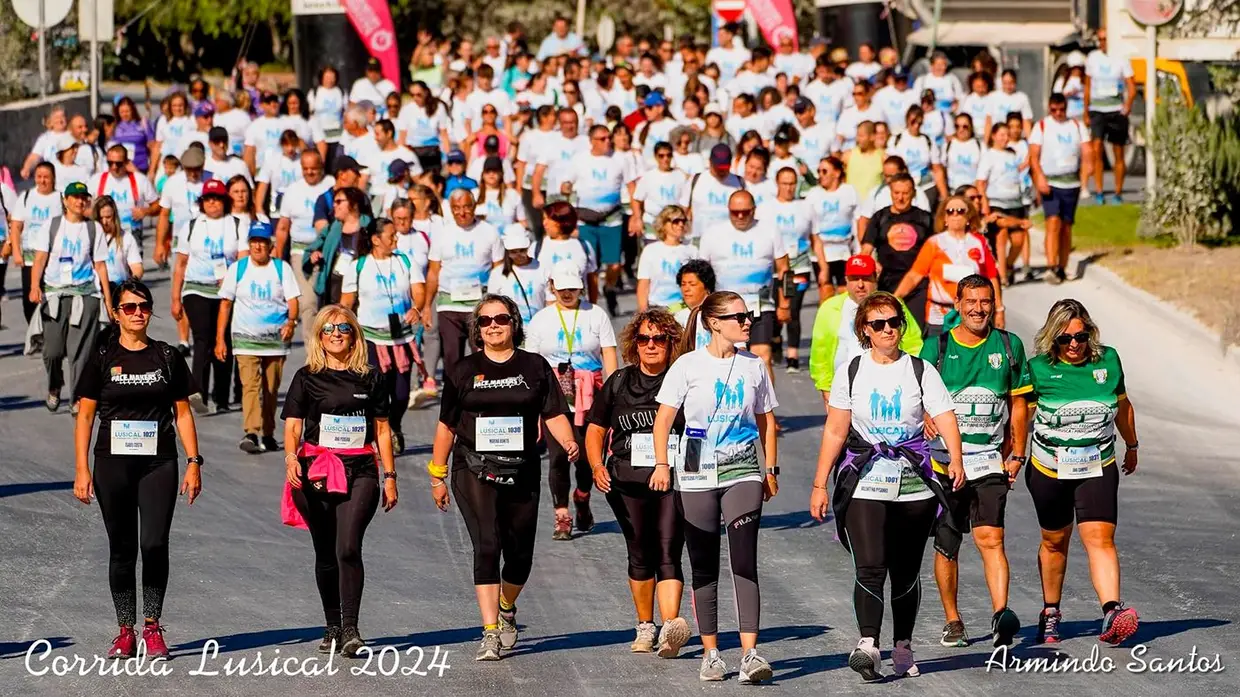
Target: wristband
{"type": "Point", "coordinates": [773, 470]}
{"type": "Point", "coordinates": [390, 475]}
{"type": "Point", "coordinates": [195, 460]}
{"type": "Point", "coordinates": [1019, 458]}
{"type": "Point", "coordinates": [437, 471]}
{"type": "Point", "coordinates": [1133, 445]}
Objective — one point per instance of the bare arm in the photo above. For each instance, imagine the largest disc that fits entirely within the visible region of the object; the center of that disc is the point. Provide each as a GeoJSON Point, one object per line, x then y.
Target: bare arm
{"type": "Point", "coordinates": [562, 431]}
{"type": "Point", "coordinates": [595, 437]}
{"type": "Point", "coordinates": [643, 294]}
{"type": "Point", "coordinates": [592, 287]}
{"type": "Point", "coordinates": [348, 299]}
{"type": "Point", "coordinates": [949, 430]}
{"type": "Point", "coordinates": [101, 271]}
{"type": "Point", "coordinates": [283, 227]}
{"type": "Point", "coordinates": [908, 283]}
{"type": "Point", "coordinates": [432, 285]}
{"type": "Point", "coordinates": [15, 235]}
{"type": "Point", "coordinates": [663, 421]}
{"type": "Point", "coordinates": [36, 277]}
{"type": "Point", "coordinates": [610, 361]}
{"type": "Point", "coordinates": [249, 155]}
{"type": "Point", "coordinates": [834, 434]}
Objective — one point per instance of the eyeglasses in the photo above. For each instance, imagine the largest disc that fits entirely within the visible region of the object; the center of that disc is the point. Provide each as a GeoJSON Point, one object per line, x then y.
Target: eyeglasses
{"type": "Point", "coordinates": [859, 93]}
{"type": "Point", "coordinates": [130, 308]}
{"type": "Point", "coordinates": [896, 323]}
{"type": "Point", "coordinates": [964, 126]}
{"type": "Point", "coordinates": [502, 320]}
{"type": "Point", "coordinates": [659, 339]}
{"type": "Point", "coordinates": [343, 328]}
{"type": "Point", "coordinates": [1079, 337]}
{"type": "Point", "coordinates": [601, 139]}
{"type": "Point", "coordinates": [116, 163]}
{"type": "Point", "coordinates": [679, 221]}
{"type": "Point", "coordinates": [741, 318]}
{"type": "Point", "coordinates": [956, 211]}
{"type": "Point", "coordinates": [740, 213]}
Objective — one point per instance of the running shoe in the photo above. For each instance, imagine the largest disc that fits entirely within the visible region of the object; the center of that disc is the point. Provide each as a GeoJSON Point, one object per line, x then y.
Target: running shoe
{"type": "Point", "coordinates": [1117, 199]}
{"type": "Point", "coordinates": [1118, 625]}
{"type": "Point", "coordinates": [1052, 277]}
{"type": "Point", "coordinates": [754, 668]}
{"type": "Point", "coordinates": [73, 408]}
{"type": "Point", "coordinates": [424, 395]}
{"type": "Point", "coordinates": [644, 642]}
{"type": "Point", "coordinates": [52, 403]}
{"type": "Point", "coordinates": [508, 628]}
{"type": "Point", "coordinates": [1100, 199]}
{"type": "Point", "coordinates": [270, 445]}
{"type": "Point", "coordinates": [585, 518]}
{"type": "Point", "coordinates": [673, 636]}
{"type": "Point", "coordinates": [153, 638]}
{"type": "Point", "coordinates": [125, 645]}
{"type": "Point", "coordinates": [198, 404]}
{"type": "Point", "coordinates": [250, 444]}
{"type": "Point", "coordinates": [902, 660]}
{"type": "Point", "coordinates": [563, 528]}
{"type": "Point", "coordinates": [954, 634]}
{"type": "Point", "coordinates": [794, 365]}
{"type": "Point", "coordinates": [713, 668]}
{"type": "Point", "coordinates": [331, 639]}
{"type": "Point", "coordinates": [865, 659]}
{"type": "Point", "coordinates": [1004, 626]}
{"type": "Point", "coordinates": [488, 650]}
{"type": "Point", "coordinates": [1030, 277]}
{"type": "Point", "coordinates": [1048, 627]}
{"type": "Point", "coordinates": [350, 642]}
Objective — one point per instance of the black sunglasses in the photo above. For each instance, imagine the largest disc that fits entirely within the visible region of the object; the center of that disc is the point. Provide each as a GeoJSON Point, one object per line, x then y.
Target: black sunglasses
{"type": "Point", "coordinates": [895, 322]}
{"type": "Point", "coordinates": [1079, 337]}
{"type": "Point", "coordinates": [131, 308]}
{"type": "Point", "coordinates": [742, 213]}
{"type": "Point", "coordinates": [643, 339]}
{"type": "Point", "coordinates": [344, 328]}
{"type": "Point", "coordinates": [741, 318]}
{"type": "Point", "coordinates": [956, 211]}
{"type": "Point", "coordinates": [502, 320]}
{"type": "Point", "coordinates": [678, 221]}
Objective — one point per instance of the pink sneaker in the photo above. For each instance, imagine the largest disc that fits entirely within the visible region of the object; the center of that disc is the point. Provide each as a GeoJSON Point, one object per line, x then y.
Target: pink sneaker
{"type": "Point", "coordinates": [125, 645]}
{"type": "Point", "coordinates": [153, 637]}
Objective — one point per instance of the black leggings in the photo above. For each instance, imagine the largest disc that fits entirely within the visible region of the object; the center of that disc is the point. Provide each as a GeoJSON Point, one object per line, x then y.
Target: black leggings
{"type": "Point", "coordinates": [794, 323]}
{"type": "Point", "coordinates": [652, 529]}
{"type": "Point", "coordinates": [337, 524]}
{"type": "Point", "coordinates": [501, 520]}
{"type": "Point", "coordinates": [558, 466]}
{"type": "Point", "coordinates": [398, 384]}
{"type": "Point", "coordinates": [204, 317]}
{"type": "Point", "coordinates": [130, 489]}
{"type": "Point", "coordinates": [741, 508]}
{"type": "Point", "coordinates": [28, 307]}
{"type": "Point", "coordinates": [888, 537]}
{"type": "Point", "coordinates": [454, 338]}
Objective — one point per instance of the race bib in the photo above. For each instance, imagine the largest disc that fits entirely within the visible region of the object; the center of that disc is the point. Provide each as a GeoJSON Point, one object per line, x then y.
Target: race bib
{"type": "Point", "coordinates": [466, 292]}
{"type": "Point", "coordinates": [219, 266]}
{"type": "Point", "coordinates": [66, 271]}
{"type": "Point", "coordinates": [641, 448]}
{"type": "Point", "coordinates": [1106, 88]}
{"type": "Point", "coordinates": [1079, 463]}
{"type": "Point", "coordinates": [342, 432]}
{"type": "Point", "coordinates": [499, 434]}
{"type": "Point", "coordinates": [978, 465]}
{"type": "Point", "coordinates": [135, 437]}
{"type": "Point", "coordinates": [955, 273]}
{"type": "Point", "coordinates": [880, 482]}
{"type": "Point", "coordinates": [706, 474]}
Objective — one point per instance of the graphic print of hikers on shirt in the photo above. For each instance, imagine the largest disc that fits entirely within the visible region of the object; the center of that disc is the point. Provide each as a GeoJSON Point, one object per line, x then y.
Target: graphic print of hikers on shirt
{"type": "Point", "coordinates": [730, 397]}
{"type": "Point", "coordinates": [883, 408]}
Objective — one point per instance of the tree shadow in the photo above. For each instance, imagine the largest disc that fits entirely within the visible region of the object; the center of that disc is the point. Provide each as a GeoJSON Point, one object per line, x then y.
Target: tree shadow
{"type": "Point", "coordinates": [253, 640]}
{"type": "Point", "coordinates": [19, 403]}
{"type": "Point", "coordinates": [802, 422]}
{"type": "Point", "coordinates": [17, 649]}
{"type": "Point", "coordinates": [7, 490]}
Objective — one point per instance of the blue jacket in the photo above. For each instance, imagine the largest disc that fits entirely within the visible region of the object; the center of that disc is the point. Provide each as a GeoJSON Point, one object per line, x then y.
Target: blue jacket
{"type": "Point", "coordinates": [328, 242]}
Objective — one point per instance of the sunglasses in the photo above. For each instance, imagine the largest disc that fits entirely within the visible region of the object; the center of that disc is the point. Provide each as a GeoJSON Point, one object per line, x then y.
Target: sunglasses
{"type": "Point", "coordinates": [502, 320]}
{"type": "Point", "coordinates": [956, 211]}
{"type": "Point", "coordinates": [344, 328]}
{"type": "Point", "coordinates": [679, 221]}
{"type": "Point", "coordinates": [742, 213]}
{"type": "Point", "coordinates": [116, 163]}
{"type": "Point", "coordinates": [601, 139]}
{"type": "Point", "coordinates": [741, 318]}
{"type": "Point", "coordinates": [975, 197]}
{"type": "Point", "coordinates": [659, 339]}
{"type": "Point", "coordinates": [896, 323]}
{"type": "Point", "coordinates": [964, 126]}
{"type": "Point", "coordinates": [1079, 337]}
{"type": "Point", "coordinates": [130, 308]}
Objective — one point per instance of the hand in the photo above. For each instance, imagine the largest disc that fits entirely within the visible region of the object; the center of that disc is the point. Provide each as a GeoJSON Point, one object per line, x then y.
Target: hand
{"type": "Point", "coordinates": [221, 351]}
{"type": "Point", "coordinates": [176, 309]}
{"type": "Point", "coordinates": [25, 173]}
{"type": "Point", "coordinates": [411, 316]}
{"type": "Point", "coordinates": [818, 502]}
{"type": "Point", "coordinates": [956, 471]}
{"type": "Point", "coordinates": [1044, 187]}
{"type": "Point", "coordinates": [161, 254]}
{"type": "Point", "coordinates": [428, 319]}
{"type": "Point", "coordinates": [137, 213]}
{"type": "Point", "coordinates": [439, 492]}
{"type": "Point", "coordinates": [389, 495]}
{"type": "Point", "coordinates": [192, 484]}
{"type": "Point", "coordinates": [661, 480]}
{"type": "Point", "coordinates": [636, 227]}
{"type": "Point", "coordinates": [1013, 468]}
{"type": "Point", "coordinates": [292, 471]}
{"type": "Point", "coordinates": [286, 332]}
{"type": "Point", "coordinates": [783, 314]}
{"type": "Point", "coordinates": [602, 479]}
{"type": "Point", "coordinates": [6, 249]}
{"type": "Point", "coordinates": [1125, 110]}
{"type": "Point", "coordinates": [770, 487]}
{"type": "Point", "coordinates": [571, 450]}
{"type": "Point", "coordinates": [83, 487]}
{"type": "Point", "coordinates": [316, 257]}
{"type": "Point", "coordinates": [929, 428]}
{"type": "Point", "coordinates": [1085, 118]}
{"type": "Point", "coordinates": [36, 294]}
{"type": "Point", "coordinates": [822, 280]}
{"type": "Point", "coordinates": [538, 200]}
{"type": "Point", "coordinates": [1130, 462]}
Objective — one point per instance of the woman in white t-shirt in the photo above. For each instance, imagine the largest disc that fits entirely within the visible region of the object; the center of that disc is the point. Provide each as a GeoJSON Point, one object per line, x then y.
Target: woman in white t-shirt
{"type": "Point", "coordinates": [661, 261]}
{"type": "Point", "coordinates": [886, 497]}
{"type": "Point", "coordinates": [577, 339]}
{"type": "Point", "coordinates": [296, 117]}
{"type": "Point", "coordinates": [520, 277]}
{"type": "Point", "coordinates": [242, 204]}
{"type": "Point", "coordinates": [29, 213]}
{"type": "Point", "coordinates": [497, 204]}
{"type": "Point", "coordinates": [728, 402]}
{"type": "Point", "coordinates": [124, 258]}
{"type": "Point", "coordinates": [999, 181]}
{"type": "Point", "coordinates": [327, 104]}
{"type": "Point", "coordinates": [42, 150]}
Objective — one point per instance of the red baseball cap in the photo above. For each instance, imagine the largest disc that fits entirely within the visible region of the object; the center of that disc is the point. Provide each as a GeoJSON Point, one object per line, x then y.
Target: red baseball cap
{"type": "Point", "coordinates": [858, 265]}
{"type": "Point", "coordinates": [214, 187]}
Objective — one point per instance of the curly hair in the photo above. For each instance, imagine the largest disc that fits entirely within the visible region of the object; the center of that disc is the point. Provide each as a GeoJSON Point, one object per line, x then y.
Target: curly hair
{"type": "Point", "coordinates": [663, 321]}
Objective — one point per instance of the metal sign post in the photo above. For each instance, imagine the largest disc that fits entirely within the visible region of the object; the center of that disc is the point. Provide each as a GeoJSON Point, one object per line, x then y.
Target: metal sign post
{"type": "Point", "coordinates": [1152, 14]}
{"type": "Point", "coordinates": [42, 29]}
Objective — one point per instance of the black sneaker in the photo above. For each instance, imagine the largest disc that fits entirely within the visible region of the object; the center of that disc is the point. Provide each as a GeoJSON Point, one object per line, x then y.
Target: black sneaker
{"type": "Point", "coordinates": [269, 444]}
{"type": "Point", "coordinates": [350, 642]}
{"type": "Point", "coordinates": [585, 517]}
{"type": "Point", "coordinates": [250, 444]}
{"type": "Point", "coordinates": [794, 365]}
{"type": "Point", "coordinates": [331, 640]}
{"type": "Point", "coordinates": [1004, 626]}
{"type": "Point", "coordinates": [1063, 275]}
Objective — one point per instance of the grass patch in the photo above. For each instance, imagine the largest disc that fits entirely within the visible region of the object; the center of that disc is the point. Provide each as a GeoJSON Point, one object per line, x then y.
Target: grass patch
{"type": "Point", "coordinates": [1108, 228]}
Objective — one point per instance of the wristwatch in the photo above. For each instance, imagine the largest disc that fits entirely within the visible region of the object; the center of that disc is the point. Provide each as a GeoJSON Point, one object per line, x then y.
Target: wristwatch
{"type": "Point", "coordinates": [195, 460]}
{"type": "Point", "coordinates": [773, 470]}
{"type": "Point", "coordinates": [390, 475]}
{"type": "Point", "coordinates": [1133, 445]}
{"type": "Point", "coordinates": [1022, 459]}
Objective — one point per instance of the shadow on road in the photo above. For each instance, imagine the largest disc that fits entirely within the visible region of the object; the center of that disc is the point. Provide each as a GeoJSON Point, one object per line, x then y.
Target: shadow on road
{"type": "Point", "coordinates": [254, 640]}
{"type": "Point", "coordinates": [614, 637]}
{"type": "Point", "coordinates": [1146, 632]}
{"type": "Point", "coordinates": [19, 402]}
{"type": "Point", "coordinates": [18, 649]}
{"type": "Point", "coordinates": [792, 520]}
{"type": "Point", "coordinates": [7, 490]}
{"type": "Point", "coordinates": [792, 424]}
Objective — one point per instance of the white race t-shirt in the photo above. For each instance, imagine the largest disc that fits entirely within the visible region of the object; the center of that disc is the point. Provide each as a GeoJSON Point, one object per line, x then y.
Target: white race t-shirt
{"type": "Point", "coordinates": [235, 121]}
{"type": "Point", "coordinates": [588, 325]}
{"type": "Point", "coordinates": [919, 153]}
{"type": "Point", "coordinates": [374, 92]}
{"type": "Point", "coordinates": [260, 306]}
{"type": "Point", "coordinates": [744, 261]}
{"type": "Point", "coordinates": [211, 249]}
{"type": "Point", "coordinates": [555, 153]}
{"type": "Point", "coordinates": [1000, 169]}
{"type": "Point", "coordinates": [383, 287]}
{"type": "Point", "coordinates": [832, 214]}
{"type": "Point", "coordinates": [597, 183]}
{"type": "Point", "coordinates": [180, 197]}
{"type": "Point", "coordinates": [1107, 75]}
{"type": "Point", "coordinates": [170, 133]}
{"type": "Point", "coordinates": [526, 285]}
{"type": "Point", "coordinates": [466, 256]}
{"type": "Point", "coordinates": [574, 249]}
{"type": "Point", "coordinates": [816, 142]}
{"type": "Point", "coordinates": [70, 266]}
{"type": "Point", "coordinates": [422, 130]}
{"type": "Point", "coordinates": [947, 89]}
{"type": "Point", "coordinates": [850, 118]}
{"type": "Point", "coordinates": [1002, 104]}
{"type": "Point", "coordinates": [121, 190]}
{"type": "Point", "coordinates": [225, 170]}
{"type": "Point", "coordinates": [298, 206]}
{"type": "Point", "coordinates": [327, 107]}
{"type": "Point", "coordinates": [793, 222]}
{"type": "Point", "coordinates": [279, 172]}
{"type": "Point", "coordinates": [659, 264]}
{"type": "Point", "coordinates": [263, 134]}
{"type": "Point", "coordinates": [707, 198]}
{"type": "Point", "coordinates": [1061, 150]}
{"type": "Point", "coordinates": [33, 210]}
{"type": "Point", "coordinates": [961, 158]}
{"type": "Point", "coordinates": [496, 212]}
{"type": "Point", "coordinates": [120, 256]}
{"type": "Point", "coordinates": [657, 190]}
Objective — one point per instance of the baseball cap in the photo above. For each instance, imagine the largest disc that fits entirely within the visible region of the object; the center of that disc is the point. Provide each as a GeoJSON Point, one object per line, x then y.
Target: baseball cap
{"type": "Point", "coordinates": [515, 237]}
{"type": "Point", "coordinates": [720, 155]}
{"type": "Point", "coordinates": [899, 72]}
{"type": "Point", "coordinates": [261, 231]}
{"type": "Point", "coordinates": [214, 187]}
{"type": "Point", "coordinates": [566, 275]}
{"type": "Point", "coordinates": [204, 108]}
{"type": "Point", "coordinates": [217, 134]}
{"type": "Point", "coordinates": [860, 265]}
{"type": "Point", "coordinates": [64, 141]}
{"type": "Point", "coordinates": [456, 157]}
{"type": "Point", "coordinates": [193, 158]}
{"type": "Point", "coordinates": [491, 143]}
{"type": "Point", "coordinates": [373, 64]}
{"type": "Point", "coordinates": [397, 170]}
{"type": "Point", "coordinates": [712, 108]}
{"type": "Point", "coordinates": [347, 163]}
{"type": "Point", "coordinates": [655, 99]}
{"type": "Point", "coordinates": [802, 105]}
{"type": "Point", "coordinates": [79, 189]}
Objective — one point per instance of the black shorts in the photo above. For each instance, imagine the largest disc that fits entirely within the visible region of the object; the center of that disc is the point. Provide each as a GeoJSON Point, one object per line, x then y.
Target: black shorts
{"type": "Point", "coordinates": [1111, 126]}
{"type": "Point", "coordinates": [979, 503]}
{"type": "Point", "coordinates": [992, 230]}
{"type": "Point", "coordinates": [1058, 502]}
{"type": "Point", "coordinates": [762, 331]}
{"type": "Point", "coordinates": [835, 272]}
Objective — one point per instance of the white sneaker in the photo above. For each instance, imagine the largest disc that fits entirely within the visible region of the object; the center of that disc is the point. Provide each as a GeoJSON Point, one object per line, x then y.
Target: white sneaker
{"type": "Point", "coordinates": [866, 660]}
{"type": "Point", "coordinates": [713, 668]}
{"type": "Point", "coordinates": [754, 668]}
{"type": "Point", "coordinates": [674, 635]}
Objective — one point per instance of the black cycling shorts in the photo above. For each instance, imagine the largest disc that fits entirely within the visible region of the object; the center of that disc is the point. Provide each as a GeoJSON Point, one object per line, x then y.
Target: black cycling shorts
{"type": "Point", "coordinates": [1059, 501]}
{"type": "Point", "coordinates": [762, 331]}
{"type": "Point", "coordinates": [979, 503]}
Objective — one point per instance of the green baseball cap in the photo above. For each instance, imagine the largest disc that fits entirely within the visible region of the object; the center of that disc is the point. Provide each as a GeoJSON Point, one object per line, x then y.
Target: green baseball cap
{"type": "Point", "coordinates": [76, 189]}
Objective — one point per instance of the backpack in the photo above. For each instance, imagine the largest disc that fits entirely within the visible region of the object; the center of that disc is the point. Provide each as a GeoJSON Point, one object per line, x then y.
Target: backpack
{"type": "Point", "coordinates": [244, 263]}
{"type": "Point", "coordinates": [1007, 348]}
{"type": "Point", "coordinates": [103, 184]}
{"type": "Point", "coordinates": [854, 366]}
{"type": "Point", "coordinates": [107, 338]}
{"type": "Point", "coordinates": [189, 234]}
{"type": "Point", "coordinates": [357, 268]}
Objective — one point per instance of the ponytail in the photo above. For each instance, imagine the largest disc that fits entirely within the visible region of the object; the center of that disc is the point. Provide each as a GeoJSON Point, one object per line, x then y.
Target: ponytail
{"type": "Point", "coordinates": [712, 306]}
{"type": "Point", "coordinates": [688, 342]}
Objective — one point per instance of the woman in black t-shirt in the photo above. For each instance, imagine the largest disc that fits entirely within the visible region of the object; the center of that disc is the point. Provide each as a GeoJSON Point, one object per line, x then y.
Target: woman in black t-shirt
{"type": "Point", "coordinates": [335, 415]}
{"type": "Point", "coordinates": [138, 387]}
{"type": "Point", "coordinates": [493, 401]}
{"type": "Point", "coordinates": [639, 491]}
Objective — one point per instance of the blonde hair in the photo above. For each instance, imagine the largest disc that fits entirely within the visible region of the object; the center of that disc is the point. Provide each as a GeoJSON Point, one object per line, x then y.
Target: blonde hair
{"type": "Point", "coordinates": [665, 218]}
{"type": "Point", "coordinates": [316, 355]}
{"type": "Point", "coordinates": [1057, 320]}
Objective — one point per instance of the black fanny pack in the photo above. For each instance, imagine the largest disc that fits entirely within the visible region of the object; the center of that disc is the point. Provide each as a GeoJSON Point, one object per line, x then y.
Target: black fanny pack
{"type": "Point", "coordinates": [493, 468]}
{"type": "Point", "coordinates": [589, 216]}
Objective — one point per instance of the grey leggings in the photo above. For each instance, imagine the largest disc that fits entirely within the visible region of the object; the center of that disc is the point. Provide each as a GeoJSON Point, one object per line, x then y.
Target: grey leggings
{"type": "Point", "coordinates": [741, 508]}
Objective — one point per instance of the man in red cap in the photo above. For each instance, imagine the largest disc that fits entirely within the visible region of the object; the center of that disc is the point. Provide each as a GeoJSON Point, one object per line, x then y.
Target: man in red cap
{"type": "Point", "coordinates": [834, 342]}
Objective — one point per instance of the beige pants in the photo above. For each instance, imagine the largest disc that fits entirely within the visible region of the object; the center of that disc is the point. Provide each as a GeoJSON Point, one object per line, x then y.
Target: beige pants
{"type": "Point", "coordinates": [307, 304]}
{"type": "Point", "coordinates": [260, 388]}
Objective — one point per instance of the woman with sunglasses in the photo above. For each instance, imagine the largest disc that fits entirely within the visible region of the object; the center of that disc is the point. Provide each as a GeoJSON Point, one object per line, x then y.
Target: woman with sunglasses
{"type": "Point", "coordinates": [474, 143]}
{"type": "Point", "coordinates": [1081, 401]}
{"type": "Point", "coordinates": [577, 339]}
{"type": "Point", "coordinates": [139, 387]}
{"type": "Point", "coordinates": [423, 127]}
{"type": "Point", "coordinates": [962, 154]}
{"type": "Point", "coordinates": [728, 401]}
{"type": "Point", "coordinates": [493, 401]}
{"type": "Point", "coordinates": [639, 493]}
{"type": "Point", "coordinates": [335, 433]}
{"type": "Point", "coordinates": [886, 495]}
{"type": "Point", "coordinates": [957, 251]}
{"type": "Point", "coordinates": [661, 261]}
{"type": "Point", "coordinates": [833, 205]}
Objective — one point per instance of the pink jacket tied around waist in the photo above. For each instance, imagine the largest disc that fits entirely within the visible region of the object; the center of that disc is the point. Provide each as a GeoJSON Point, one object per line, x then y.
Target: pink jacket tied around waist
{"type": "Point", "coordinates": [587, 382]}
{"type": "Point", "coordinates": [327, 466]}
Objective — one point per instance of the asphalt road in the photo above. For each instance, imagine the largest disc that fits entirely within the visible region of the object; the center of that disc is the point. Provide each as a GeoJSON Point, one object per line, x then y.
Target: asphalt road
{"type": "Point", "coordinates": [244, 582]}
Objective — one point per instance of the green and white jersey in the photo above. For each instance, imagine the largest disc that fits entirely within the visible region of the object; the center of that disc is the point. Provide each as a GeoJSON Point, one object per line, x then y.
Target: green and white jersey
{"type": "Point", "coordinates": [980, 379]}
{"type": "Point", "coordinates": [1076, 407]}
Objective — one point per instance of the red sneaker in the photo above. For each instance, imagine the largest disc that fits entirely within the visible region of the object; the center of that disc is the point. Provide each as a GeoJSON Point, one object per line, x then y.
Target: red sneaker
{"type": "Point", "coordinates": [153, 637]}
{"type": "Point", "coordinates": [125, 645]}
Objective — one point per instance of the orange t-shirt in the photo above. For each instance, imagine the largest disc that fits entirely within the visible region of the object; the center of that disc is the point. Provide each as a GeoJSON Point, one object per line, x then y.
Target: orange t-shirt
{"type": "Point", "coordinates": [946, 260]}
